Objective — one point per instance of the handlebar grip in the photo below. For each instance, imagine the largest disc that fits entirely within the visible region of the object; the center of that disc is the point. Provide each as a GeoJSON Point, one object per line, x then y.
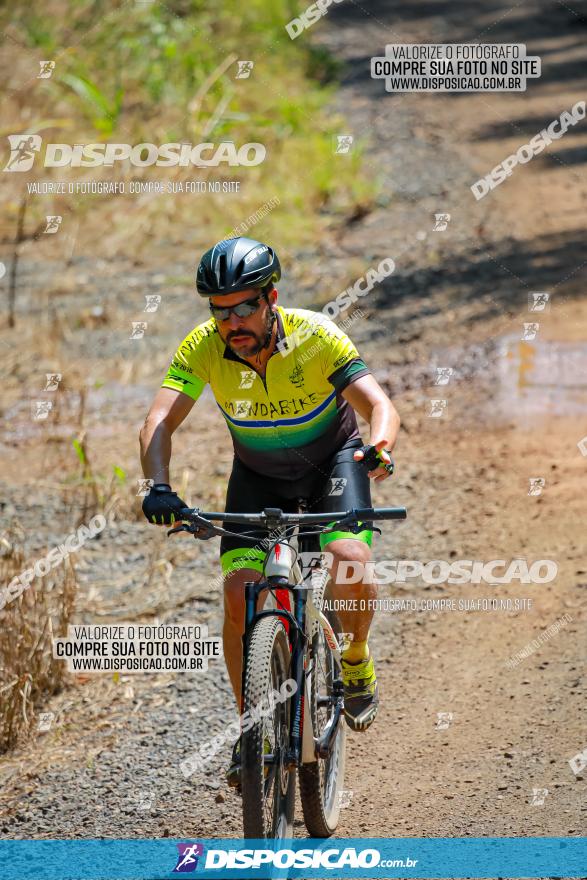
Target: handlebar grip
{"type": "Point", "coordinates": [382, 513]}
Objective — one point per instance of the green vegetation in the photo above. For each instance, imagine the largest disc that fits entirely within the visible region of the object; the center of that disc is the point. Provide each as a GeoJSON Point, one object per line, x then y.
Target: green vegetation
{"type": "Point", "coordinates": [138, 72]}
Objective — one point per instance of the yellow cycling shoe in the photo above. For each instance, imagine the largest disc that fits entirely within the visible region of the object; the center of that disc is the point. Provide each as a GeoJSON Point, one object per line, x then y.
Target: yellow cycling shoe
{"type": "Point", "coordinates": [361, 693]}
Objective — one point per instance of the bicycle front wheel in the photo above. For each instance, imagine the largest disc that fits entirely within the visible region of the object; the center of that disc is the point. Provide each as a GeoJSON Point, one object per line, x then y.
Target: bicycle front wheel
{"type": "Point", "coordinates": [321, 782]}
{"type": "Point", "coordinates": [268, 787]}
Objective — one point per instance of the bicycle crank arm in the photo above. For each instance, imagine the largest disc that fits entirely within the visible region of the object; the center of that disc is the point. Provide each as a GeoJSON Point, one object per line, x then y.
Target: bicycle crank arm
{"type": "Point", "coordinates": [323, 746]}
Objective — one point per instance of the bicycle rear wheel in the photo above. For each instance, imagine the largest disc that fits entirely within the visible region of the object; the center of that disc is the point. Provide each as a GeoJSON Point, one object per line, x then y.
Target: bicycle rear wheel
{"type": "Point", "coordinates": [321, 782]}
{"type": "Point", "coordinates": [268, 787]}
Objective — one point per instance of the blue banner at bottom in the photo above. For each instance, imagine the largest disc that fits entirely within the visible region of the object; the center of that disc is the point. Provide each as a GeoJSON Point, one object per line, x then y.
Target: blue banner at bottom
{"type": "Point", "coordinates": [413, 857]}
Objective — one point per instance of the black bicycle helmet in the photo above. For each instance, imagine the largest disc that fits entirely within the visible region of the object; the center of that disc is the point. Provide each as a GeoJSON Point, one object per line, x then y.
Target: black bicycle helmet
{"type": "Point", "coordinates": [237, 264]}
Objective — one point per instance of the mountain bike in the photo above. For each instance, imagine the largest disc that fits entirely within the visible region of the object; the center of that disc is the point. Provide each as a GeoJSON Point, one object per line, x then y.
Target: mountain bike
{"type": "Point", "coordinates": [293, 704]}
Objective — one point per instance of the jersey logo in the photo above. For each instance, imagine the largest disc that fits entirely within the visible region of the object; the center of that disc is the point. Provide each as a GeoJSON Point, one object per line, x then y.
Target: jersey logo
{"type": "Point", "coordinates": [180, 379]}
{"type": "Point", "coordinates": [296, 377]}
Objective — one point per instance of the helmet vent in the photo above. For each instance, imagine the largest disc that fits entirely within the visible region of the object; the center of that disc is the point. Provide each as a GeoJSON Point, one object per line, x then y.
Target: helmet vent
{"type": "Point", "coordinates": [239, 270]}
{"type": "Point", "coordinates": [221, 270]}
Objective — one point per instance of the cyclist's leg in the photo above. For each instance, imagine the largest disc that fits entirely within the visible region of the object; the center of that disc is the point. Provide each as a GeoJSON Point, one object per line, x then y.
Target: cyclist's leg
{"type": "Point", "coordinates": [352, 582]}
{"type": "Point", "coordinates": [248, 492]}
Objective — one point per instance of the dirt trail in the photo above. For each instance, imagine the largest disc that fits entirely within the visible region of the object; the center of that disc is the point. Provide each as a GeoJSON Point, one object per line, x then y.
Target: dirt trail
{"type": "Point", "coordinates": [512, 730]}
{"type": "Point", "coordinates": [458, 298]}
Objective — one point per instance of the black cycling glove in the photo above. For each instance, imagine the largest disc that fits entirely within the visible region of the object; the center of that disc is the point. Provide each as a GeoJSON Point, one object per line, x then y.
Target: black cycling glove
{"type": "Point", "coordinates": [372, 460]}
{"type": "Point", "coordinates": [162, 505]}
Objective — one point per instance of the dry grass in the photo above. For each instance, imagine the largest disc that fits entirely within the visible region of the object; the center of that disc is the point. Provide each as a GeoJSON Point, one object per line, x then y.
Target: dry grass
{"type": "Point", "coordinates": [28, 671]}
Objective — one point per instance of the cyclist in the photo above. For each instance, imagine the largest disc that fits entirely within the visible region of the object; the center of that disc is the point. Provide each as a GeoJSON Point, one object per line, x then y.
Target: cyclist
{"type": "Point", "coordinates": [288, 383]}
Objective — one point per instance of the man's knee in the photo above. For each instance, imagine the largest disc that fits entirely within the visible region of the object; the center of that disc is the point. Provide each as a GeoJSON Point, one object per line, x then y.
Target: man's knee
{"type": "Point", "coordinates": [351, 561]}
{"type": "Point", "coordinates": [349, 550]}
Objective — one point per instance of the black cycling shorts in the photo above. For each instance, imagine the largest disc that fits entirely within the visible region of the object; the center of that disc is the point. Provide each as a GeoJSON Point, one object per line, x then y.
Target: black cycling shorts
{"type": "Point", "coordinates": [339, 484]}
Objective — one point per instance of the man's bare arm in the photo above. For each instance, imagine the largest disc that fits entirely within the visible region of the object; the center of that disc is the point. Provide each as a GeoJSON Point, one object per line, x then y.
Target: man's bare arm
{"type": "Point", "coordinates": [167, 412]}
{"type": "Point", "coordinates": [367, 397]}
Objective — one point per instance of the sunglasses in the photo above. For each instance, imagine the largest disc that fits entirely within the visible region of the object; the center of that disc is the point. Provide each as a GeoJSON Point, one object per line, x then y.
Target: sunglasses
{"type": "Point", "coordinates": [243, 310]}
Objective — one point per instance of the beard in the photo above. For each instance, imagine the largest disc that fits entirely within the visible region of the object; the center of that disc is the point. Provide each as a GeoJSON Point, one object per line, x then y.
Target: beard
{"type": "Point", "coordinates": [257, 341]}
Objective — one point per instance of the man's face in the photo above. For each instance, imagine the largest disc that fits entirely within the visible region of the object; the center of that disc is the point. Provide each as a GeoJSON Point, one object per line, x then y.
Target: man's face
{"type": "Point", "coordinates": [245, 336]}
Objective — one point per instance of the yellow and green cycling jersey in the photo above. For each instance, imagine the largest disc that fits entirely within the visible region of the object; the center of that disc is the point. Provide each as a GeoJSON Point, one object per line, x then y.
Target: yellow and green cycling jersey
{"type": "Point", "coordinates": [294, 419]}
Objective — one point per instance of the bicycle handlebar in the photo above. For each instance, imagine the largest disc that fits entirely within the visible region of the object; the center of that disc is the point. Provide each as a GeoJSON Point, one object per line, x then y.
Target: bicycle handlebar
{"type": "Point", "coordinates": [275, 514]}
